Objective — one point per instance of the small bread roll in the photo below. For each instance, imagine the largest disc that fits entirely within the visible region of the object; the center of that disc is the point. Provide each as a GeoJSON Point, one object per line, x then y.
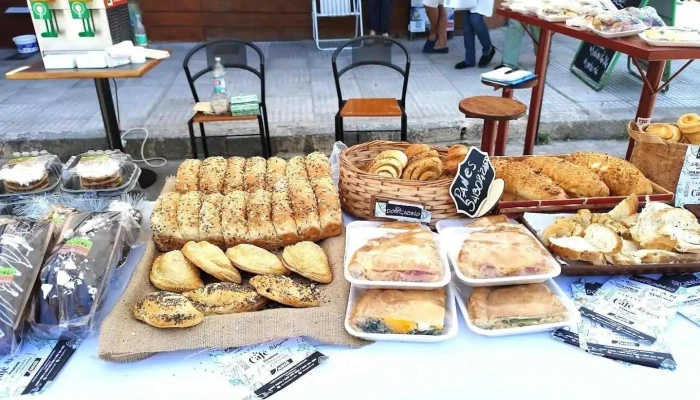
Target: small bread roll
{"type": "Point", "coordinates": [210, 219]}
{"type": "Point", "coordinates": [416, 149]}
{"type": "Point", "coordinates": [235, 175]}
{"type": "Point", "coordinates": [167, 310]}
{"type": "Point", "coordinates": [255, 170]}
{"type": "Point", "coordinates": [455, 155]}
{"type": "Point", "coordinates": [318, 166]}
{"type": "Point", "coordinates": [329, 212]}
{"type": "Point", "coordinates": [225, 298]}
{"type": "Point", "coordinates": [188, 209]}
{"type": "Point", "coordinates": [164, 223]}
{"type": "Point", "coordinates": [276, 170]}
{"type": "Point", "coordinates": [234, 223]}
{"type": "Point", "coordinates": [261, 232]}
{"type": "Point", "coordinates": [188, 176]}
{"type": "Point", "coordinates": [296, 169]}
{"type": "Point", "coordinates": [308, 260]}
{"type": "Point", "coordinates": [283, 216]}
{"type": "Point", "coordinates": [211, 260]}
{"type": "Point", "coordinates": [664, 131]}
{"type": "Point", "coordinates": [255, 260]}
{"type": "Point", "coordinates": [305, 210]}
{"type": "Point", "coordinates": [285, 290]}
{"type": "Point", "coordinates": [173, 272]}
{"type": "Point", "coordinates": [212, 174]}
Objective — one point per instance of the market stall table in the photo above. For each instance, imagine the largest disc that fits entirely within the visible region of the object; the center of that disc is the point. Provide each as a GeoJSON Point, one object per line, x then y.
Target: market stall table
{"type": "Point", "coordinates": [634, 47]}
{"type": "Point", "coordinates": [36, 71]}
{"type": "Point", "coordinates": [521, 367]}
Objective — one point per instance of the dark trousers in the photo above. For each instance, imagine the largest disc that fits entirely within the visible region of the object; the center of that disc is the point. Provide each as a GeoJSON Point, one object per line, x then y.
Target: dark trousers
{"type": "Point", "coordinates": [474, 25]}
{"type": "Point", "coordinates": [379, 15]}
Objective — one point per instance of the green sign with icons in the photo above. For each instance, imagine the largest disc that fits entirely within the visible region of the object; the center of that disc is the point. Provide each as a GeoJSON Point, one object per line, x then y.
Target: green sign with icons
{"type": "Point", "coordinates": [41, 11]}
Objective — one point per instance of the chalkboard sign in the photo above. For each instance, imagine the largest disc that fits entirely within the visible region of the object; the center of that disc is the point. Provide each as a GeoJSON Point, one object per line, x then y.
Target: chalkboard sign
{"type": "Point", "coordinates": [472, 185]}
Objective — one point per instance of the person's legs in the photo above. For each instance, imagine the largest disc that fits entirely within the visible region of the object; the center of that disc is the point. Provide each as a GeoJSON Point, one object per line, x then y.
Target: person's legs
{"type": "Point", "coordinates": [441, 28]}
{"type": "Point", "coordinates": [469, 49]}
{"type": "Point", "coordinates": [511, 48]}
{"type": "Point", "coordinates": [384, 21]}
{"type": "Point", "coordinates": [374, 16]}
{"type": "Point", "coordinates": [432, 13]}
{"type": "Point", "coordinates": [482, 32]}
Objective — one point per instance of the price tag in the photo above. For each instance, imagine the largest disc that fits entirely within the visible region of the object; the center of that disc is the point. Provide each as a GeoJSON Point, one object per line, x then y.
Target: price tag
{"type": "Point", "coordinates": [401, 211]}
{"type": "Point", "coordinates": [475, 189]}
{"type": "Point", "coordinates": [688, 189]}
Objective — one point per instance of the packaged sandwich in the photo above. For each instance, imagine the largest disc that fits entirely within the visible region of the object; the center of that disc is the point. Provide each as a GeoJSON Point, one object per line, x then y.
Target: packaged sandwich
{"type": "Point", "coordinates": [412, 312]}
{"type": "Point", "coordinates": [103, 173]}
{"type": "Point", "coordinates": [504, 307]}
{"type": "Point", "coordinates": [29, 175]}
{"type": "Point", "coordinates": [23, 245]}
{"type": "Point", "coordinates": [617, 22]}
{"type": "Point", "coordinates": [75, 278]}
{"type": "Point", "coordinates": [647, 15]}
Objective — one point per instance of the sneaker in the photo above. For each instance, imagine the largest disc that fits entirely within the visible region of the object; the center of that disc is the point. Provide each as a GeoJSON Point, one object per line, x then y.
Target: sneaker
{"type": "Point", "coordinates": [463, 65]}
{"type": "Point", "coordinates": [372, 32]}
{"type": "Point", "coordinates": [385, 34]}
{"type": "Point", "coordinates": [486, 60]}
{"type": "Point", "coordinates": [429, 45]}
{"type": "Point", "coordinates": [443, 50]}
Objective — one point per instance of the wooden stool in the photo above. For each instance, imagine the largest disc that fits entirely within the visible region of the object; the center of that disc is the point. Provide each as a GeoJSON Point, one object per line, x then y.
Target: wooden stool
{"type": "Point", "coordinates": [502, 131]}
{"type": "Point", "coordinates": [491, 109]}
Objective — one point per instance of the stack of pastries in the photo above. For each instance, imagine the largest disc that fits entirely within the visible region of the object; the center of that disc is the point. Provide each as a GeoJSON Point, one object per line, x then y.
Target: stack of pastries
{"type": "Point", "coordinates": [578, 175]}
{"type": "Point", "coordinates": [419, 162]}
{"type": "Point", "coordinates": [268, 203]}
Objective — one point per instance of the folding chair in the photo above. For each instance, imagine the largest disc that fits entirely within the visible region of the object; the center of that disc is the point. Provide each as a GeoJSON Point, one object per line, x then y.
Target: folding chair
{"type": "Point", "coordinates": [335, 8]}
{"type": "Point", "coordinates": [233, 55]}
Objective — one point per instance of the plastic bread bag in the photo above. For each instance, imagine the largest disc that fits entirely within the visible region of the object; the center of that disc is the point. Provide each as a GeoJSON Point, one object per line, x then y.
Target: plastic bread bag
{"type": "Point", "coordinates": [617, 22]}
{"type": "Point", "coordinates": [23, 245]}
{"type": "Point", "coordinates": [109, 172]}
{"type": "Point", "coordinates": [647, 15]}
{"type": "Point", "coordinates": [585, 20]}
{"type": "Point", "coordinates": [338, 147]}
{"type": "Point", "coordinates": [29, 174]}
{"type": "Point", "coordinates": [75, 279]}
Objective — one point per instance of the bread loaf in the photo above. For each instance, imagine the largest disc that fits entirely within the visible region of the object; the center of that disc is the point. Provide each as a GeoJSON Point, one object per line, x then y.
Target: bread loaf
{"type": "Point", "coordinates": [234, 223]}
{"type": "Point", "coordinates": [318, 166]}
{"type": "Point", "coordinates": [576, 180]}
{"type": "Point", "coordinates": [305, 209]}
{"type": "Point", "coordinates": [212, 174]}
{"type": "Point", "coordinates": [296, 169]}
{"type": "Point", "coordinates": [164, 223]}
{"type": "Point", "coordinates": [210, 219]}
{"type": "Point", "coordinates": [330, 216]}
{"type": "Point", "coordinates": [525, 183]}
{"type": "Point", "coordinates": [261, 232]}
{"type": "Point", "coordinates": [188, 215]}
{"type": "Point", "coordinates": [235, 175]}
{"type": "Point", "coordinates": [276, 170]}
{"type": "Point", "coordinates": [188, 176]}
{"type": "Point", "coordinates": [619, 175]}
{"type": "Point", "coordinates": [283, 216]}
{"type": "Point", "coordinates": [255, 169]}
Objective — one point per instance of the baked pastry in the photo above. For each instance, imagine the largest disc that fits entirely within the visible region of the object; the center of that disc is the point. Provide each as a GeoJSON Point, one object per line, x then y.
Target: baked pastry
{"type": "Point", "coordinates": [455, 155]}
{"type": "Point", "coordinates": [619, 175]}
{"type": "Point", "coordinates": [255, 170]}
{"type": "Point", "coordinates": [305, 209]}
{"type": "Point", "coordinates": [503, 307]}
{"type": "Point", "coordinates": [235, 175]}
{"type": "Point", "coordinates": [164, 224]}
{"type": "Point", "coordinates": [24, 177]}
{"type": "Point", "coordinates": [283, 216]}
{"type": "Point", "coordinates": [502, 250]}
{"type": "Point", "coordinates": [173, 272]}
{"type": "Point", "coordinates": [576, 180]}
{"type": "Point", "coordinates": [666, 132]}
{"type": "Point", "coordinates": [489, 220]}
{"type": "Point", "coordinates": [212, 174]}
{"type": "Point", "coordinates": [261, 232]}
{"type": "Point", "coordinates": [234, 222]}
{"type": "Point", "coordinates": [525, 183]}
{"type": "Point", "coordinates": [296, 169]}
{"type": "Point", "coordinates": [410, 256]}
{"type": "Point", "coordinates": [285, 290]}
{"type": "Point", "coordinates": [424, 166]}
{"type": "Point", "coordinates": [576, 248]}
{"type": "Point", "coordinates": [603, 238]}
{"type": "Point", "coordinates": [225, 298]}
{"type": "Point", "coordinates": [167, 310]}
{"type": "Point", "coordinates": [255, 260]}
{"type": "Point", "coordinates": [211, 260]}
{"type": "Point", "coordinates": [100, 172]}
{"type": "Point", "coordinates": [276, 170]}
{"type": "Point", "coordinates": [415, 149]}
{"type": "Point", "coordinates": [308, 260]}
{"type": "Point", "coordinates": [388, 163]}
{"type": "Point", "coordinates": [667, 228]}
{"type": "Point", "coordinates": [689, 125]}
{"type": "Point", "coordinates": [188, 176]}
{"type": "Point", "coordinates": [188, 208]}
{"type": "Point", "coordinates": [318, 165]}
{"type": "Point", "coordinates": [210, 219]}
{"type": "Point", "coordinates": [402, 312]}
{"type": "Point", "coordinates": [329, 212]}
{"type": "Point", "coordinates": [404, 226]}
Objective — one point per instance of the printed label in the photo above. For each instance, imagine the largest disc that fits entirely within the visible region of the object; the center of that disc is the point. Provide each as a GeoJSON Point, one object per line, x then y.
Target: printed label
{"type": "Point", "coordinates": [688, 189]}
{"type": "Point", "coordinates": [76, 245]}
{"type": "Point", "coordinates": [401, 211]}
{"type": "Point", "coordinates": [7, 275]}
{"type": "Point", "coordinates": [690, 306]}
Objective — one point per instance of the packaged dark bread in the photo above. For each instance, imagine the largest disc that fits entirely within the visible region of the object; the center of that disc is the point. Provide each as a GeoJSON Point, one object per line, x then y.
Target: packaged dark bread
{"type": "Point", "coordinates": [23, 245]}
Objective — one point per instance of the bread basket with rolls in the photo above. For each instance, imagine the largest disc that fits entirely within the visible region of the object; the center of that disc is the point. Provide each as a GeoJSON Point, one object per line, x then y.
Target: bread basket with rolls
{"type": "Point", "coordinates": [383, 170]}
{"type": "Point", "coordinates": [659, 150]}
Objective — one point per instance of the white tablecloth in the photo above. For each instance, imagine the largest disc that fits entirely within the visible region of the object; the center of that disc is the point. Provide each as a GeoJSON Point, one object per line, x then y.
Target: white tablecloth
{"type": "Point", "coordinates": [469, 366]}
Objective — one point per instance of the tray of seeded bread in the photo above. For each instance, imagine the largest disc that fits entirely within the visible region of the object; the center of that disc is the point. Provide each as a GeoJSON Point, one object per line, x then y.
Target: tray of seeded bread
{"type": "Point", "coordinates": [581, 180]}
{"type": "Point", "coordinates": [629, 239]}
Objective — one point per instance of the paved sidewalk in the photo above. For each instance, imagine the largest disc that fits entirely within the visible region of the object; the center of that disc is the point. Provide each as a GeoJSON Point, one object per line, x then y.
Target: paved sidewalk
{"type": "Point", "coordinates": [302, 101]}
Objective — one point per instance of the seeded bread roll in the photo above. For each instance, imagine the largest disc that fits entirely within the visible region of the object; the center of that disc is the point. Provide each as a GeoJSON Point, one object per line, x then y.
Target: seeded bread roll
{"type": "Point", "coordinates": [210, 219]}
{"type": "Point", "coordinates": [164, 224]}
{"type": "Point", "coordinates": [328, 202]}
{"type": "Point", "coordinates": [235, 174]}
{"type": "Point", "coordinates": [188, 176]}
{"type": "Point", "coordinates": [283, 216]}
{"type": "Point", "coordinates": [167, 310]}
{"type": "Point", "coordinates": [276, 170]}
{"type": "Point", "coordinates": [261, 232]}
{"type": "Point", "coordinates": [296, 169]}
{"type": "Point", "coordinates": [212, 174]}
{"type": "Point", "coordinates": [305, 210]}
{"type": "Point", "coordinates": [225, 298]}
{"type": "Point", "coordinates": [234, 223]}
{"type": "Point", "coordinates": [188, 215]}
{"type": "Point", "coordinates": [318, 166]}
{"type": "Point", "coordinates": [255, 170]}
{"type": "Point", "coordinates": [175, 273]}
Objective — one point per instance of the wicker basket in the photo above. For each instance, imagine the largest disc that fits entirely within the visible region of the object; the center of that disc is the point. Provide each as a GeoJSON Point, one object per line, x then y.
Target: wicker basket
{"type": "Point", "coordinates": [659, 160]}
{"type": "Point", "coordinates": [359, 190]}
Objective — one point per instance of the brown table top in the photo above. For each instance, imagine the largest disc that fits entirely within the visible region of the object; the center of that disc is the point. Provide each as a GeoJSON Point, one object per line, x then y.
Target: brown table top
{"type": "Point", "coordinates": [632, 46]}
{"type": "Point", "coordinates": [36, 70]}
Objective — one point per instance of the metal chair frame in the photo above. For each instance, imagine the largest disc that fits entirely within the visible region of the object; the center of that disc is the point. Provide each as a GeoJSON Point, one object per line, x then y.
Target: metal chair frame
{"type": "Point", "coordinates": [332, 9]}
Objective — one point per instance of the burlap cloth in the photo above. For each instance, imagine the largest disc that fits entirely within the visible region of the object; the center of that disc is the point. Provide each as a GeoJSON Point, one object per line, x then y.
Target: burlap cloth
{"type": "Point", "coordinates": [124, 339]}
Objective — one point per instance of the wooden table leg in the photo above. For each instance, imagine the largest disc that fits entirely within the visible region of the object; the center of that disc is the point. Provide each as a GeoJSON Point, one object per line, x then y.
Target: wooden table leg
{"type": "Point", "coordinates": [533, 120]}
{"type": "Point", "coordinates": [648, 97]}
{"type": "Point", "coordinates": [488, 137]}
{"type": "Point", "coordinates": [502, 133]}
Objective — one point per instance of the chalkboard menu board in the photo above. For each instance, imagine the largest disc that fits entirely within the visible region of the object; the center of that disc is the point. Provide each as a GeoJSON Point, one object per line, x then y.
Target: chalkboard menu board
{"type": "Point", "coordinates": [471, 186]}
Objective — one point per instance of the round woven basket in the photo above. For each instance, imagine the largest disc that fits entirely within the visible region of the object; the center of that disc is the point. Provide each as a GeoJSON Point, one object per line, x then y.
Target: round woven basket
{"type": "Point", "coordinates": [658, 159]}
{"type": "Point", "coordinates": [359, 190]}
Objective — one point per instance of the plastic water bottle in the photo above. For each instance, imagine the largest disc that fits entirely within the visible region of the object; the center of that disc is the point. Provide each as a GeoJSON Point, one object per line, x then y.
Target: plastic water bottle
{"type": "Point", "coordinates": [140, 32]}
{"type": "Point", "coordinates": [219, 74]}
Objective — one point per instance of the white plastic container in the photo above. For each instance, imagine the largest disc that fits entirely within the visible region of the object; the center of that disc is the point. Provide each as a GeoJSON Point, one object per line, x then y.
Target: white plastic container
{"type": "Point", "coordinates": [667, 43]}
{"type": "Point", "coordinates": [462, 293]}
{"type": "Point", "coordinates": [359, 232]}
{"type": "Point", "coordinates": [450, 327]}
{"type": "Point", "coordinates": [452, 240]}
{"type": "Point", "coordinates": [59, 61]}
{"type": "Point", "coordinates": [26, 44]}
{"type": "Point", "coordinates": [617, 35]}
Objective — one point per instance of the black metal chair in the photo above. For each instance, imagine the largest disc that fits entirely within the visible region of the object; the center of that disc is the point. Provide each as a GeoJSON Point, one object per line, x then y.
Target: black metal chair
{"type": "Point", "coordinates": [371, 50]}
{"type": "Point", "coordinates": [234, 55]}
